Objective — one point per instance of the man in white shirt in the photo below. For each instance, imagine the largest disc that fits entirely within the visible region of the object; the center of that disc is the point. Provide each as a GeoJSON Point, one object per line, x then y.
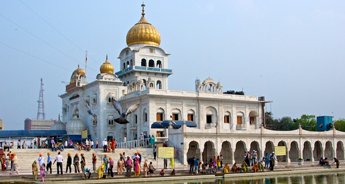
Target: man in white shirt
{"type": "Point", "coordinates": [59, 161]}
{"type": "Point", "coordinates": [91, 144]}
{"type": "Point", "coordinates": [105, 145]}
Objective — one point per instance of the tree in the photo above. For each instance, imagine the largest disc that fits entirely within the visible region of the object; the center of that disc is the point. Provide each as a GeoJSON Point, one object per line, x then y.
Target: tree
{"type": "Point", "coordinates": [340, 125]}
{"type": "Point", "coordinates": [308, 122]}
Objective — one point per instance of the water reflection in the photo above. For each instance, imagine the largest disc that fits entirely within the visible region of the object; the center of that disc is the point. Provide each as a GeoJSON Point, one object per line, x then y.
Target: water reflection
{"type": "Point", "coordinates": [332, 178]}
{"type": "Point", "coordinates": [299, 179]}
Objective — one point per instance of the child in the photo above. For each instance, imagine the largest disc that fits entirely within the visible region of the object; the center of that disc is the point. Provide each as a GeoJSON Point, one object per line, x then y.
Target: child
{"type": "Point", "coordinates": [42, 171]}
{"type": "Point", "coordinates": [162, 172]}
{"type": "Point", "coordinates": [34, 170]}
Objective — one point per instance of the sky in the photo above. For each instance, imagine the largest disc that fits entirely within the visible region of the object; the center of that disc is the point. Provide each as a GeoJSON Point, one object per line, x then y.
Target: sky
{"type": "Point", "coordinates": [291, 52]}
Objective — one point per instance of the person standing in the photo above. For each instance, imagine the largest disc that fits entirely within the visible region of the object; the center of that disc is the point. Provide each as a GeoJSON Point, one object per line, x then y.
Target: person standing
{"type": "Point", "coordinates": [69, 163]}
{"type": "Point", "coordinates": [40, 159]}
{"type": "Point", "coordinates": [165, 163]}
{"type": "Point", "coordinates": [154, 152]}
{"type": "Point", "coordinates": [52, 142]}
{"type": "Point", "coordinates": [105, 163]}
{"type": "Point", "coordinates": [105, 145]}
{"type": "Point", "coordinates": [49, 163]}
{"type": "Point", "coordinates": [221, 158]}
{"type": "Point", "coordinates": [272, 161]}
{"type": "Point", "coordinates": [82, 162]}
{"type": "Point", "coordinates": [136, 166]}
{"type": "Point", "coordinates": [43, 172]}
{"type": "Point", "coordinates": [76, 163]}
{"type": "Point", "coordinates": [58, 161]}
{"type": "Point", "coordinates": [34, 169]}
{"type": "Point", "coordinates": [91, 144]}
{"type": "Point", "coordinates": [94, 161]}
{"type": "Point", "coordinates": [129, 164]}
{"type": "Point", "coordinates": [120, 164]}
{"type": "Point", "coordinates": [111, 166]}
{"type": "Point", "coordinates": [145, 168]}
{"type": "Point", "coordinates": [336, 161]}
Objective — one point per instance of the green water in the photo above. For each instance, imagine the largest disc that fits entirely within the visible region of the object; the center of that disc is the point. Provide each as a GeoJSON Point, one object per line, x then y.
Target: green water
{"type": "Point", "coordinates": [337, 178]}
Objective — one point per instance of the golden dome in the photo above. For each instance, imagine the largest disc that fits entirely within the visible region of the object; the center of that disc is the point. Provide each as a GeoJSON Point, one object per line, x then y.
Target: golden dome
{"type": "Point", "coordinates": [143, 32]}
{"type": "Point", "coordinates": [77, 73]}
{"type": "Point", "coordinates": [107, 67]}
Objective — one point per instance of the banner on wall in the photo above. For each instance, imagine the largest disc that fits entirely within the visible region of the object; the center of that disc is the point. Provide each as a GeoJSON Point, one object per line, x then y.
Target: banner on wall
{"type": "Point", "coordinates": [84, 134]}
{"type": "Point", "coordinates": [280, 150]}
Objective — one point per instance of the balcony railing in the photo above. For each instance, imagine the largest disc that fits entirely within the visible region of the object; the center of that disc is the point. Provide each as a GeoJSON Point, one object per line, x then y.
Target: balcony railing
{"type": "Point", "coordinates": [143, 68]}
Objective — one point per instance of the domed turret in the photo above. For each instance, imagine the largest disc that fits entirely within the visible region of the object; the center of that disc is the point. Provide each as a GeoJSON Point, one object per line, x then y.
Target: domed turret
{"type": "Point", "coordinates": [107, 67]}
{"type": "Point", "coordinates": [77, 73]}
{"type": "Point", "coordinates": [75, 126]}
{"type": "Point", "coordinates": [143, 32]}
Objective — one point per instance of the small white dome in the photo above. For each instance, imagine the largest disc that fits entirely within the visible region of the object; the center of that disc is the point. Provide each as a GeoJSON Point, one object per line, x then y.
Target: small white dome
{"type": "Point", "coordinates": [75, 126]}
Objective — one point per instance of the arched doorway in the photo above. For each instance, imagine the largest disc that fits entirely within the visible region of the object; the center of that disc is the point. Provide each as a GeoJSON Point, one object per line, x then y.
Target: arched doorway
{"type": "Point", "coordinates": [209, 152]}
{"type": "Point", "coordinates": [239, 151]}
{"type": "Point", "coordinates": [226, 152]}
{"type": "Point", "coordinates": [282, 158]}
{"type": "Point", "coordinates": [307, 152]}
{"type": "Point", "coordinates": [329, 152]}
{"type": "Point", "coordinates": [255, 146]}
{"type": "Point", "coordinates": [340, 150]}
{"type": "Point", "coordinates": [193, 150]}
{"type": "Point", "coordinates": [269, 147]}
{"type": "Point", "coordinates": [317, 150]}
{"type": "Point", "coordinates": [294, 152]}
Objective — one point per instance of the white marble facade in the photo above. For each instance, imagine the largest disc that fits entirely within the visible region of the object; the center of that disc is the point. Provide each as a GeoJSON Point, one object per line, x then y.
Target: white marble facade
{"type": "Point", "coordinates": [227, 123]}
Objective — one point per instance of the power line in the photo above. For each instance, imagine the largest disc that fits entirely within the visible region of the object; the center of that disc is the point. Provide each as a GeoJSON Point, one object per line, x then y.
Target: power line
{"type": "Point", "coordinates": [38, 38]}
{"type": "Point", "coordinates": [33, 56]}
{"type": "Point", "coordinates": [54, 28]}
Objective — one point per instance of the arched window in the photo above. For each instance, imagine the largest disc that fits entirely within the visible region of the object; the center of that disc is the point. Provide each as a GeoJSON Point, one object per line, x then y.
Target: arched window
{"type": "Point", "coordinates": [176, 114]}
{"type": "Point", "coordinates": [159, 64]}
{"type": "Point", "coordinates": [227, 117]}
{"type": "Point", "coordinates": [160, 115]}
{"type": "Point", "coordinates": [111, 120]}
{"type": "Point", "coordinates": [151, 85]}
{"type": "Point", "coordinates": [151, 63]}
{"type": "Point", "coordinates": [159, 85]}
{"type": "Point", "coordinates": [143, 62]}
{"type": "Point", "coordinates": [190, 115]}
{"type": "Point", "coordinates": [240, 119]}
{"type": "Point", "coordinates": [131, 62]}
{"type": "Point", "coordinates": [124, 66]}
{"type": "Point", "coordinates": [211, 115]}
{"type": "Point", "coordinates": [127, 64]}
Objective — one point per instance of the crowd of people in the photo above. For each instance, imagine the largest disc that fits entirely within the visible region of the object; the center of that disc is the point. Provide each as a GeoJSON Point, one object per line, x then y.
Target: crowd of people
{"type": "Point", "coordinates": [128, 165]}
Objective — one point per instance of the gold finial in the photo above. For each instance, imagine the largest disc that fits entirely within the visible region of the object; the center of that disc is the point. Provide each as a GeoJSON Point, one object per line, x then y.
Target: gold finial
{"type": "Point", "coordinates": [143, 9]}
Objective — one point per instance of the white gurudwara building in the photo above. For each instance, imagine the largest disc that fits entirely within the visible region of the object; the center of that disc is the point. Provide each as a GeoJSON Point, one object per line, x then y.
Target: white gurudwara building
{"type": "Point", "coordinates": [227, 123]}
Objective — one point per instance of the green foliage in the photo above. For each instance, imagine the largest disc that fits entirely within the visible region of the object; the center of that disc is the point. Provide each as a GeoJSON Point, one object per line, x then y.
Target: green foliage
{"type": "Point", "coordinates": [308, 122]}
{"type": "Point", "coordinates": [340, 125]}
{"type": "Point", "coordinates": [284, 123]}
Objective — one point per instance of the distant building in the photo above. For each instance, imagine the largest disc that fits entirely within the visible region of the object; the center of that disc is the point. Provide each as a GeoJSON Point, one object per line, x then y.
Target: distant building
{"type": "Point", "coordinates": [1, 125]}
{"type": "Point", "coordinates": [30, 124]}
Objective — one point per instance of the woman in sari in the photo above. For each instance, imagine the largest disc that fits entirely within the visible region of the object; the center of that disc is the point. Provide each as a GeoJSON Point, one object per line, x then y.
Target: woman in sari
{"type": "Point", "coordinates": [136, 167]}
{"type": "Point", "coordinates": [120, 165]}
{"type": "Point", "coordinates": [146, 168]}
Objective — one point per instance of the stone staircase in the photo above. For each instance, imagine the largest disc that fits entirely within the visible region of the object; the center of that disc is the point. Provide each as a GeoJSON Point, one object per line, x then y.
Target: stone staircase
{"type": "Point", "coordinates": [27, 156]}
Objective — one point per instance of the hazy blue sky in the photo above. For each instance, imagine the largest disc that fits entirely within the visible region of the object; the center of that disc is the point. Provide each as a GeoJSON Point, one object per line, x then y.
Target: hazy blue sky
{"type": "Point", "coordinates": [292, 52]}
